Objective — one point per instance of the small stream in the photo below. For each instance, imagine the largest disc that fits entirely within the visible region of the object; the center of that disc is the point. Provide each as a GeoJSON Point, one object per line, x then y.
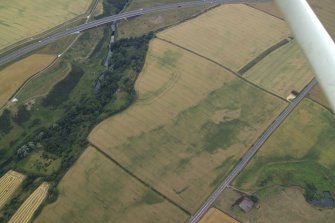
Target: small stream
{"type": "Point", "coordinates": [111, 41]}
{"type": "Point", "coordinates": [325, 202]}
{"type": "Point", "coordinates": [109, 55]}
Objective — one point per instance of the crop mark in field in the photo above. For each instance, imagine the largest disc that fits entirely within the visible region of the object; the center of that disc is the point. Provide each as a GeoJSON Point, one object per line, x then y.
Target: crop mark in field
{"type": "Point", "coordinates": [140, 180]}
{"type": "Point", "coordinates": [224, 67]}
{"type": "Point", "coordinates": [264, 54]}
{"type": "Point", "coordinates": [149, 97]}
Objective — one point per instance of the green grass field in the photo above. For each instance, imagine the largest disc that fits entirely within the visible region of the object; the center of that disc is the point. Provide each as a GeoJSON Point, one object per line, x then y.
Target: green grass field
{"type": "Point", "coordinates": [300, 153]}
{"type": "Point", "coordinates": [282, 71]}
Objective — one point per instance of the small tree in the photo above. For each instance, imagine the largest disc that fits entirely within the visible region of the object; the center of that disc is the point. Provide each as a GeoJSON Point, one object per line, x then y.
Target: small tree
{"type": "Point", "coordinates": [22, 115]}
{"type": "Point", "coordinates": [5, 122]}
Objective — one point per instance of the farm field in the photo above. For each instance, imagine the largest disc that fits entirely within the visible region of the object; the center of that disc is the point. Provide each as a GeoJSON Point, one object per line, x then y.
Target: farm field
{"type": "Point", "coordinates": [277, 205]}
{"type": "Point", "coordinates": [107, 194]}
{"type": "Point", "coordinates": [9, 183]}
{"type": "Point", "coordinates": [214, 215]}
{"type": "Point", "coordinates": [189, 125]}
{"type": "Point", "coordinates": [317, 95]}
{"type": "Point", "coordinates": [282, 71]}
{"type": "Point", "coordinates": [14, 75]}
{"type": "Point", "coordinates": [217, 33]}
{"type": "Point", "coordinates": [27, 209]}
{"type": "Point", "coordinates": [22, 19]}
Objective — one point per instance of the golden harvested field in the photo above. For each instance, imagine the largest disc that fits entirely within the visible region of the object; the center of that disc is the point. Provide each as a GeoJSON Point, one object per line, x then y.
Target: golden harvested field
{"type": "Point", "coordinates": [231, 35]}
{"type": "Point", "coordinates": [13, 76]}
{"type": "Point", "coordinates": [282, 71]}
{"type": "Point", "coordinates": [22, 19]}
{"type": "Point", "coordinates": [214, 215]}
{"type": "Point", "coordinates": [9, 183]}
{"type": "Point", "coordinates": [29, 206]}
{"type": "Point", "coordinates": [97, 190]}
{"type": "Point", "coordinates": [189, 126]}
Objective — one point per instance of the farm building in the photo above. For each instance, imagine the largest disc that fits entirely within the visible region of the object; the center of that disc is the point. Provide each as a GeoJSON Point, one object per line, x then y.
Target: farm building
{"type": "Point", "coordinates": [246, 204]}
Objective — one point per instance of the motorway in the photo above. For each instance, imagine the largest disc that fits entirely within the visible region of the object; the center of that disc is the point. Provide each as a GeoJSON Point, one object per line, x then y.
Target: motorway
{"type": "Point", "coordinates": [122, 16]}
{"type": "Point", "coordinates": [250, 153]}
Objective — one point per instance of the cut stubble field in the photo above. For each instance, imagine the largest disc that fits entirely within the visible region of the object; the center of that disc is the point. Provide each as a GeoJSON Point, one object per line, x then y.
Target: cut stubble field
{"type": "Point", "coordinates": [22, 19]}
{"type": "Point", "coordinates": [29, 206]}
{"type": "Point", "coordinates": [14, 75]}
{"type": "Point", "coordinates": [9, 183]}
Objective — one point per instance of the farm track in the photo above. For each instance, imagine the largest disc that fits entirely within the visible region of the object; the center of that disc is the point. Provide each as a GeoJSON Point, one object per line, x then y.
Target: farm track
{"type": "Point", "coordinates": [140, 180]}
{"type": "Point", "coordinates": [264, 54]}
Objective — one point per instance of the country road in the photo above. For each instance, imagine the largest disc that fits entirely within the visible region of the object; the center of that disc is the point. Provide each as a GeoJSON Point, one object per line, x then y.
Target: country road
{"type": "Point", "coordinates": [122, 16]}
{"type": "Point", "coordinates": [250, 153]}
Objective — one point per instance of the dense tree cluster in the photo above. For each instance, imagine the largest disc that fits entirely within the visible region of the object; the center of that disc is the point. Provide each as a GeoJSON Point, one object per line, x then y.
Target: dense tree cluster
{"type": "Point", "coordinates": [62, 90]}
{"type": "Point", "coordinates": [5, 122]}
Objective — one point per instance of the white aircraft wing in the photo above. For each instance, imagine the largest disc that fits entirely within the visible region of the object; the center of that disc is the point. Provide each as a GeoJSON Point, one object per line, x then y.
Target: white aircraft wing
{"type": "Point", "coordinates": [315, 42]}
